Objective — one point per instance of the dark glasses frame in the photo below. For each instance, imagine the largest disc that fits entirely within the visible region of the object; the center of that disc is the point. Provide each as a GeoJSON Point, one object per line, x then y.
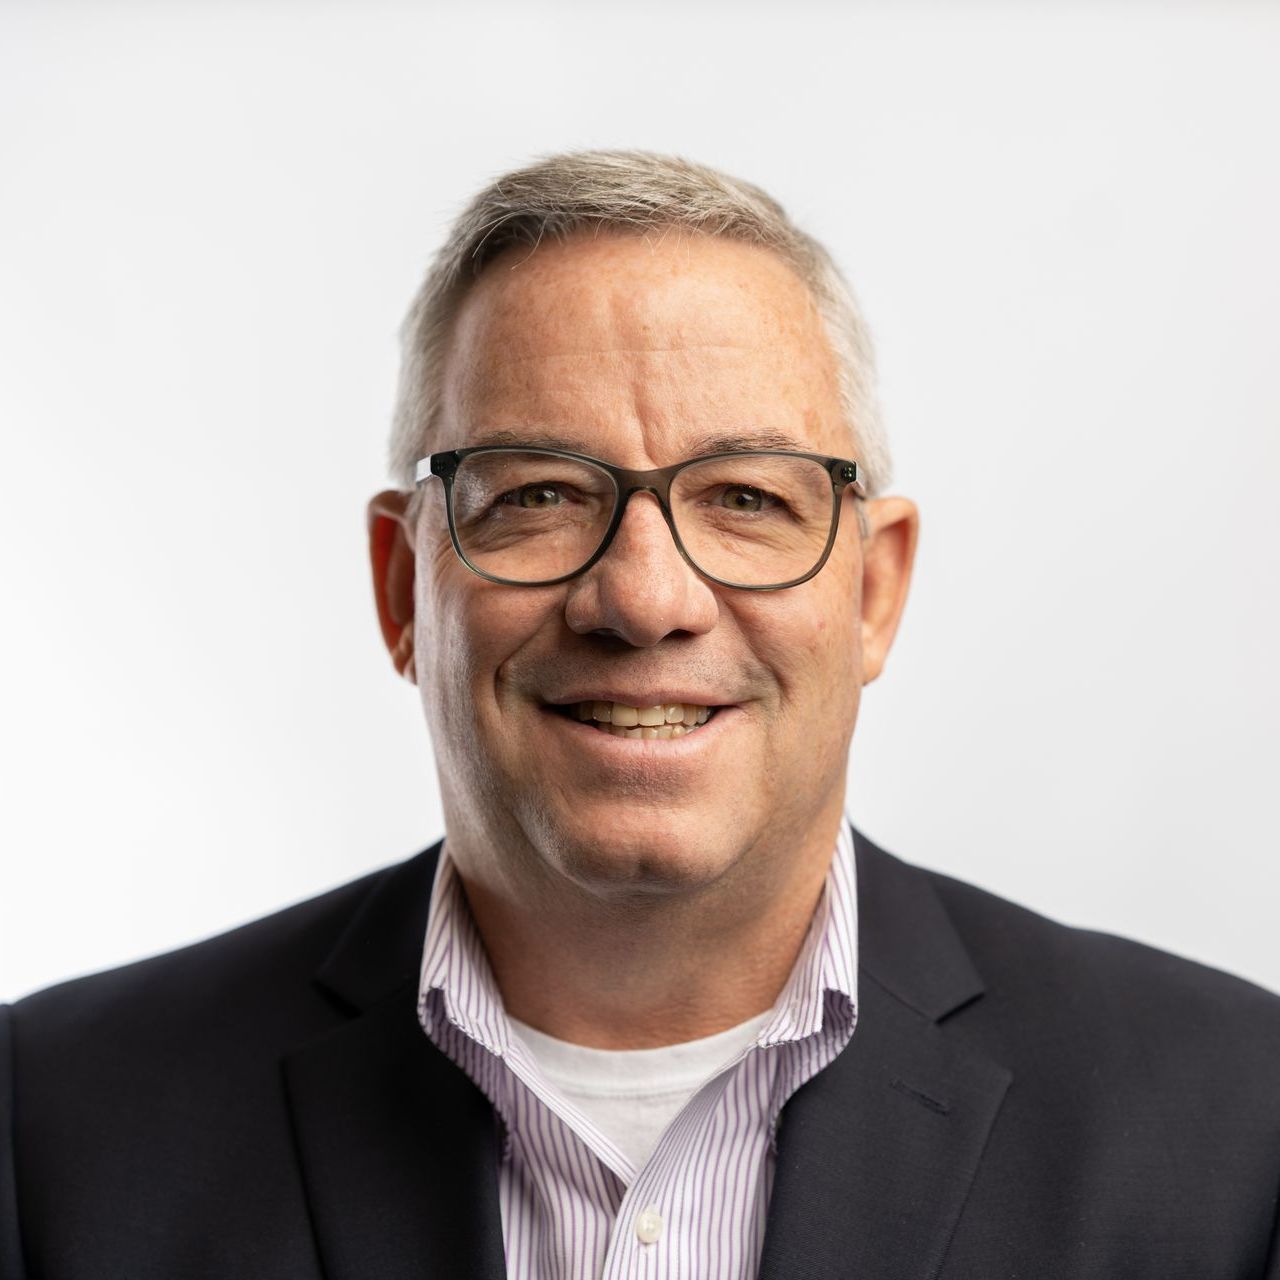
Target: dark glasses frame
{"type": "Point", "coordinates": [843, 472]}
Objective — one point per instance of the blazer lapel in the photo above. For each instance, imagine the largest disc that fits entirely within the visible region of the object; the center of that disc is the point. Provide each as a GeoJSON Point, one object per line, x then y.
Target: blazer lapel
{"type": "Point", "coordinates": [876, 1153]}
{"type": "Point", "coordinates": [399, 1150]}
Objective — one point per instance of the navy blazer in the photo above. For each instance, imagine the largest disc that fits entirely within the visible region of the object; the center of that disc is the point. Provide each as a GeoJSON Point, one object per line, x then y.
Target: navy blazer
{"type": "Point", "coordinates": [1020, 1099]}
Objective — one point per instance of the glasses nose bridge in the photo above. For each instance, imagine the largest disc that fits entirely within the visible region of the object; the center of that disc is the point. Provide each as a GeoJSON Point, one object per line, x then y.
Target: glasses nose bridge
{"type": "Point", "coordinates": [657, 483]}
{"type": "Point", "coordinates": [629, 483]}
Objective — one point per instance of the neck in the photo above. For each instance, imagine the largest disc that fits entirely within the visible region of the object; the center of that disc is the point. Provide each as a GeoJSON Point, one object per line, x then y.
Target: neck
{"type": "Point", "coordinates": [635, 976]}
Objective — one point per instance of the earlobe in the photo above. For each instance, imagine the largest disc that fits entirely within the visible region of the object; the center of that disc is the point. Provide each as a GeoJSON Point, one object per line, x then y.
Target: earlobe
{"type": "Point", "coordinates": [402, 656]}
{"type": "Point", "coordinates": [391, 559]}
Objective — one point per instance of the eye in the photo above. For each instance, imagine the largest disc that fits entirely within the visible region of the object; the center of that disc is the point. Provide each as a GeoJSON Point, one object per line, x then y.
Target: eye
{"type": "Point", "coordinates": [533, 497]}
{"type": "Point", "coordinates": [742, 497]}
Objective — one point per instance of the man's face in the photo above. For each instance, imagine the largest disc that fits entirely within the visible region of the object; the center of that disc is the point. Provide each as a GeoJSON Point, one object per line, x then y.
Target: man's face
{"type": "Point", "coordinates": [636, 350]}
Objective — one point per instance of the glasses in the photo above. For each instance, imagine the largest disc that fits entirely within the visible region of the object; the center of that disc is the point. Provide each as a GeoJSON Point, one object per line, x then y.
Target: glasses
{"type": "Point", "coordinates": [758, 520]}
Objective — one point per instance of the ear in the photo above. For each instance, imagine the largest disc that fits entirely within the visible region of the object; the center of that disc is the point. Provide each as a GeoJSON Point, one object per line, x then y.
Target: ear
{"type": "Point", "coordinates": [391, 558]}
{"type": "Point", "coordinates": [888, 553]}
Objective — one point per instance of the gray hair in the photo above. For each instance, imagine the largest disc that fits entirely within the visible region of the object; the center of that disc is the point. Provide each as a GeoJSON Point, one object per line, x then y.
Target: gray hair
{"type": "Point", "coordinates": [560, 195]}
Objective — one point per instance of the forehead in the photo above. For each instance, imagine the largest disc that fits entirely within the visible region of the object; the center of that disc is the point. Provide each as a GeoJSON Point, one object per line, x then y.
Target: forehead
{"type": "Point", "coordinates": [639, 343]}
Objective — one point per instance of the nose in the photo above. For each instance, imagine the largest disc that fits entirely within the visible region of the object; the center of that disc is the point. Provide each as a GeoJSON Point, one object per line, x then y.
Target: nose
{"type": "Point", "coordinates": [642, 589]}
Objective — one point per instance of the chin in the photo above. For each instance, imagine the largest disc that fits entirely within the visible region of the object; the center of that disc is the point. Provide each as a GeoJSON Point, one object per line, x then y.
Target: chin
{"type": "Point", "coordinates": [653, 852]}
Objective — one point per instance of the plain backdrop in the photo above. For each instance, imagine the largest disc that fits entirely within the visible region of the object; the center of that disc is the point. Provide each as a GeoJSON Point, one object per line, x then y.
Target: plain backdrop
{"type": "Point", "coordinates": [1061, 221]}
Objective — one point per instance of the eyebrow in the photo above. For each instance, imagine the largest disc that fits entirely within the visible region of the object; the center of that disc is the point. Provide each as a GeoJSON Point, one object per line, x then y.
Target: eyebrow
{"type": "Point", "coordinates": [707, 444]}
{"type": "Point", "coordinates": [534, 439]}
{"type": "Point", "coordinates": [732, 443]}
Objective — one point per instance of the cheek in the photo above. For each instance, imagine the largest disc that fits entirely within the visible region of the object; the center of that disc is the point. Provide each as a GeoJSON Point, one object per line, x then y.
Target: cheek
{"type": "Point", "coordinates": [450, 643]}
{"type": "Point", "coordinates": [838, 614]}
{"type": "Point", "coordinates": [829, 665]}
{"type": "Point", "coordinates": [810, 639]}
{"type": "Point", "coordinates": [468, 629]}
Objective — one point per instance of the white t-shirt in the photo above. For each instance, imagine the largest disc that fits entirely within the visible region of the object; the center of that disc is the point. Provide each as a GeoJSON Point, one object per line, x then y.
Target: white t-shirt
{"type": "Point", "coordinates": [632, 1095]}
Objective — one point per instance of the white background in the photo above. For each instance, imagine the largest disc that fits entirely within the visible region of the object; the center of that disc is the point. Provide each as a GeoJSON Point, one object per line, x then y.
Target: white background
{"type": "Point", "coordinates": [1061, 220]}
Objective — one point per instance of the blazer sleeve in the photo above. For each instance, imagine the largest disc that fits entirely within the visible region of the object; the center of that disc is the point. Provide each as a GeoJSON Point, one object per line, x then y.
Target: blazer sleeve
{"type": "Point", "coordinates": [11, 1265]}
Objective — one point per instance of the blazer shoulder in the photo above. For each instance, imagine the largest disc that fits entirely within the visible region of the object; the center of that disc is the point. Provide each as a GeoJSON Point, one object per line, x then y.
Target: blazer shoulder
{"type": "Point", "coordinates": [253, 968]}
{"type": "Point", "coordinates": [1117, 989]}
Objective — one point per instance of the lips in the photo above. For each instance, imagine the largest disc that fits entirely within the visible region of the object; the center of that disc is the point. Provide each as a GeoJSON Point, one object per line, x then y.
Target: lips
{"type": "Point", "coordinates": [659, 720]}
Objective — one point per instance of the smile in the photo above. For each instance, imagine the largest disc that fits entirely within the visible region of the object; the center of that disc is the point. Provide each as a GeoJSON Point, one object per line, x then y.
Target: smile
{"type": "Point", "coordinates": [621, 720]}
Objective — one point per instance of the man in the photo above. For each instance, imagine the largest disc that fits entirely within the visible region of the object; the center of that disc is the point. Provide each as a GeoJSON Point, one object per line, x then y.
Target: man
{"type": "Point", "coordinates": [653, 1007]}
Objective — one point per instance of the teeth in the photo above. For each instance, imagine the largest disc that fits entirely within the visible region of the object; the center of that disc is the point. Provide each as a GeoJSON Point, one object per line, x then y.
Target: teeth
{"type": "Point", "coordinates": [670, 720]}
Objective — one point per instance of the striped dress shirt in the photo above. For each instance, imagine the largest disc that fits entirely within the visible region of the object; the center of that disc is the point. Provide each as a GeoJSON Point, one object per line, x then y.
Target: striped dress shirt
{"type": "Point", "coordinates": [573, 1205]}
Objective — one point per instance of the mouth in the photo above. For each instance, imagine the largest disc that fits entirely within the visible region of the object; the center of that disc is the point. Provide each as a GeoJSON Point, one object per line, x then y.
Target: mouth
{"type": "Point", "coordinates": [623, 720]}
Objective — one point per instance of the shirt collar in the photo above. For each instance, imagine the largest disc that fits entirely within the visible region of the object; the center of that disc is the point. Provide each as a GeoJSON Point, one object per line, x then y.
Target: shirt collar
{"type": "Point", "coordinates": [828, 959]}
{"type": "Point", "coordinates": [455, 963]}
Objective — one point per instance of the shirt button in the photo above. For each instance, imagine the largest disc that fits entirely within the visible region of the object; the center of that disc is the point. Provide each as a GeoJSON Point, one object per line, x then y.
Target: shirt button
{"type": "Point", "coordinates": [649, 1224]}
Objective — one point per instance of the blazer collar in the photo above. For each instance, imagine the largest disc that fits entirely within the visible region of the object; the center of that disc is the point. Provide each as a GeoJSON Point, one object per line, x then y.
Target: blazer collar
{"type": "Point", "coordinates": [380, 950]}
{"type": "Point", "coordinates": [906, 939]}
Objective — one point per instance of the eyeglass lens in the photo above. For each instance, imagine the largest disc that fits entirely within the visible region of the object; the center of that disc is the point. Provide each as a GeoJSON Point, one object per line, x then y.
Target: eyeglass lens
{"type": "Point", "coordinates": [749, 520]}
